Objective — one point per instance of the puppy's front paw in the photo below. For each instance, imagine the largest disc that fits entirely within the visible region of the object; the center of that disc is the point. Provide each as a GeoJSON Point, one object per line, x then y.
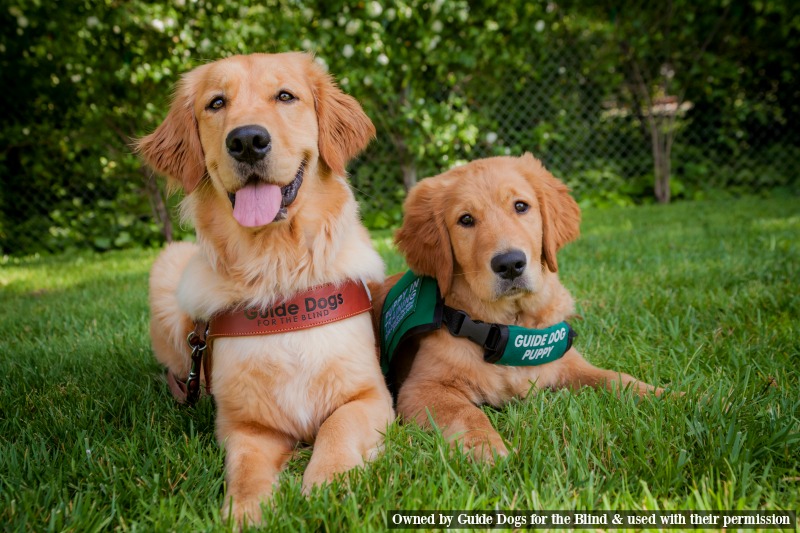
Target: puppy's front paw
{"type": "Point", "coordinates": [482, 446]}
{"type": "Point", "coordinates": [668, 393]}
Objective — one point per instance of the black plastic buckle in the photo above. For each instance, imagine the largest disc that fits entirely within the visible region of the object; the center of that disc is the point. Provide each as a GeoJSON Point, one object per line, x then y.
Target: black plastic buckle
{"type": "Point", "coordinates": [491, 337]}
{"type": "Point", "coordinates": [496, 343]}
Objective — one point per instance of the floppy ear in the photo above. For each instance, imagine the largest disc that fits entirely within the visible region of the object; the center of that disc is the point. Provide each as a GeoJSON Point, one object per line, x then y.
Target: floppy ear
{"type": "Point", "coordinates": [561, 216]}
{"type": "Point", "coordinates": [344, 128]}
{"type": "Point", "coordinates": [174, 148]}
{"type": "Point", "coordinates": [423, 238]}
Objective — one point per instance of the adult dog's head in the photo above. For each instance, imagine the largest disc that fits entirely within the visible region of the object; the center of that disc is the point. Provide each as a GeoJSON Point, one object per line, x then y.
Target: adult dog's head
{"type": "Point", "coordinates": [498, 222]}
{"type": "Point", "coordinates": [256, 128]}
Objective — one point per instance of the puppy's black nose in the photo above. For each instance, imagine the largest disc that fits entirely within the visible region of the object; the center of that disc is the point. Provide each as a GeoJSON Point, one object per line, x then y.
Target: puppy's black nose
{"type": "Point", "coordinates": [248, 144]}
{"type": "Point", "coordinates": [509, 265]}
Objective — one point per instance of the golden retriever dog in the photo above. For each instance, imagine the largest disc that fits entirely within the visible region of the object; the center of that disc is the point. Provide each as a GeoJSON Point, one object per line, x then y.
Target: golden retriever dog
{"type": "Point", "coordinates": [259, 143]}
{"type": "Point", "coordinates": [488, 232]}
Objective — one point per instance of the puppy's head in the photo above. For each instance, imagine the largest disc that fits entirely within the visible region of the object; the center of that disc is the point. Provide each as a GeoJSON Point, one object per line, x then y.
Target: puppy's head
{"type": "Point", "coordinates": [498, 222]}
{"type": "Point", "coordinates": [256, 127]}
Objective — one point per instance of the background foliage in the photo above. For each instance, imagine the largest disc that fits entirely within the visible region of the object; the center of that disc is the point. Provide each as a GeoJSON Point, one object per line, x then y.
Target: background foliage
{"type": "Point", "coordinates": [583, 85]}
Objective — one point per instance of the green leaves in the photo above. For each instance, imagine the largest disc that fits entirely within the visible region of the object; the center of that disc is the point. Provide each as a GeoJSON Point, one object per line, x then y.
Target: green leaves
{"type": "Point", "coordinates": [444, 82]}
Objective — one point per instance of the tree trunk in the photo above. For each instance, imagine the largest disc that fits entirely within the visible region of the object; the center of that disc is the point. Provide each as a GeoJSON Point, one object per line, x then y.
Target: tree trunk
{"type": "Point", "coordinates": [666, 169]}
{"type": "Point", "coordinates": [660, 144]}
{"type": "Point", "coordinates": [407, 163]}
{"type": "Point", "coordinates": [409, 174]}
{"type": "Point", "coordinates": [160, 212]}
{"type": "Point", "coordinates": [662, 133]}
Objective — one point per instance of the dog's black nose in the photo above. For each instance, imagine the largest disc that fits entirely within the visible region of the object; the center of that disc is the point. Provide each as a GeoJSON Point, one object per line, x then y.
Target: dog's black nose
{"type": "Point", "coordinates": [248, 144]}
{"type": "Point", "coordinates": [509, 265]}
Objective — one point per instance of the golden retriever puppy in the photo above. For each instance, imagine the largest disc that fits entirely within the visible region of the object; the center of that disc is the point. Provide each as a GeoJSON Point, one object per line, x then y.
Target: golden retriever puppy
{"type": "Point", "coordinates": [259, 143]}
{"type": "Point", "coordinates": [488, 232]}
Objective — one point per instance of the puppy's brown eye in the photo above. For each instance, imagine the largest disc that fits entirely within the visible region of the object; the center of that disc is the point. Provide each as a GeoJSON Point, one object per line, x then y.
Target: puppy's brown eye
{"type": "Point", "coordinates": [521, 207]}
{"type": "Point", "coordinates": [217, 103]}
{"type": "Point", "coordinates": [285, 96]}
{"type": "Point", "coordinates": [466, 220]}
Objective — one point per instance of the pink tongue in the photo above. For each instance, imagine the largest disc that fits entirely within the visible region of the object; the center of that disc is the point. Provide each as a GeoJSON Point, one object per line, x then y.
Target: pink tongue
{"type": "Point", "coordinates": [257, 204]}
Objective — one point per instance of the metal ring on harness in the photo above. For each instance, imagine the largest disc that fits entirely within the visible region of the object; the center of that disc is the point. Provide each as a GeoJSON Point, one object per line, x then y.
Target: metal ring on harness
{"type": "Point", "coordinates": [198, 346]}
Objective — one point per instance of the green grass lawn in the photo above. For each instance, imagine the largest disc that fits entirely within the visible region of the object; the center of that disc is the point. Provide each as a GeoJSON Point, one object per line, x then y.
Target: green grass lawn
{"type": "Point", "coordinates": [701, 296]}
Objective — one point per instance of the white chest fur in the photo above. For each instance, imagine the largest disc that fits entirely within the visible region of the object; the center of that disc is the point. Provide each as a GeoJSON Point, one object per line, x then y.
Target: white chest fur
{"type": "Point", "coordinates": [295, 380]}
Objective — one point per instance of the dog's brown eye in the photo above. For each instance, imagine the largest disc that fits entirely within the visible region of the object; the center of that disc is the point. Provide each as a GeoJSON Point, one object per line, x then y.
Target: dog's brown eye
{"type": "Point", "coordinates": [466, 220]}
{"type": "Point", "coordinates": [285, 96]}
{"type": "Point", "coordinates": [521, 207]}
{"type": "Point", "coordinates": [217, 103]}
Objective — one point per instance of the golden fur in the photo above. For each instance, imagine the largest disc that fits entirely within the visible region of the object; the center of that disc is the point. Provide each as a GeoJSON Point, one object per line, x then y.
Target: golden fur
{"type": "Point", "coordinates": [320, 385]}
{"type": "Point", "coordinates": [445, 375]}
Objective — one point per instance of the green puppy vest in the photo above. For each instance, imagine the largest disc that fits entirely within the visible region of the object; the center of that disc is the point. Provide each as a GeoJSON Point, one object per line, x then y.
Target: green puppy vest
{"type": "Point", "coordinates": [415, 306]}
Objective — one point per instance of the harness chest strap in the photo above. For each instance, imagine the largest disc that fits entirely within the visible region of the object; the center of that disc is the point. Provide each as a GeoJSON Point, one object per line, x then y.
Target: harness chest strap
{"type": "Point", "coordinates": [415, 306]}
{"type": "Point", "coordinates": [315, 307]}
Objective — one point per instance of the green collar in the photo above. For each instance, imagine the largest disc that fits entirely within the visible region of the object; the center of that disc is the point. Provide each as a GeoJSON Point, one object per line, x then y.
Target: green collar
{"type": "Point", "coordinates": [415, 306]}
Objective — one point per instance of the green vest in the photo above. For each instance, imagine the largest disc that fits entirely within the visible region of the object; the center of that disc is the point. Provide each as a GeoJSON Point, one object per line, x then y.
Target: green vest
{"type": "Point", "coordinates": [415, 306]}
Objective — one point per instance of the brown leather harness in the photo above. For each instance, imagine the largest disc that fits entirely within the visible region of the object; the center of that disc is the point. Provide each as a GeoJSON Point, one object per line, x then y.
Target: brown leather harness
{"type": "Point", "coordinates": [315, 307]}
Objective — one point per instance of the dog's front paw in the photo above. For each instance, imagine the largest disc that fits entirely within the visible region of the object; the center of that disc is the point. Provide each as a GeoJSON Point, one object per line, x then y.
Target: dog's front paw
{"type": "Point", "coordinates": [244, 511]}
{"type": "Point", "coordinates": [317, 478]}
{"type": "Point", "coordinates": [321, 472]}
{"type": "Point", "coordinates": [482, 446]}
{"type": "Point", "coordinates": [668, 393]}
